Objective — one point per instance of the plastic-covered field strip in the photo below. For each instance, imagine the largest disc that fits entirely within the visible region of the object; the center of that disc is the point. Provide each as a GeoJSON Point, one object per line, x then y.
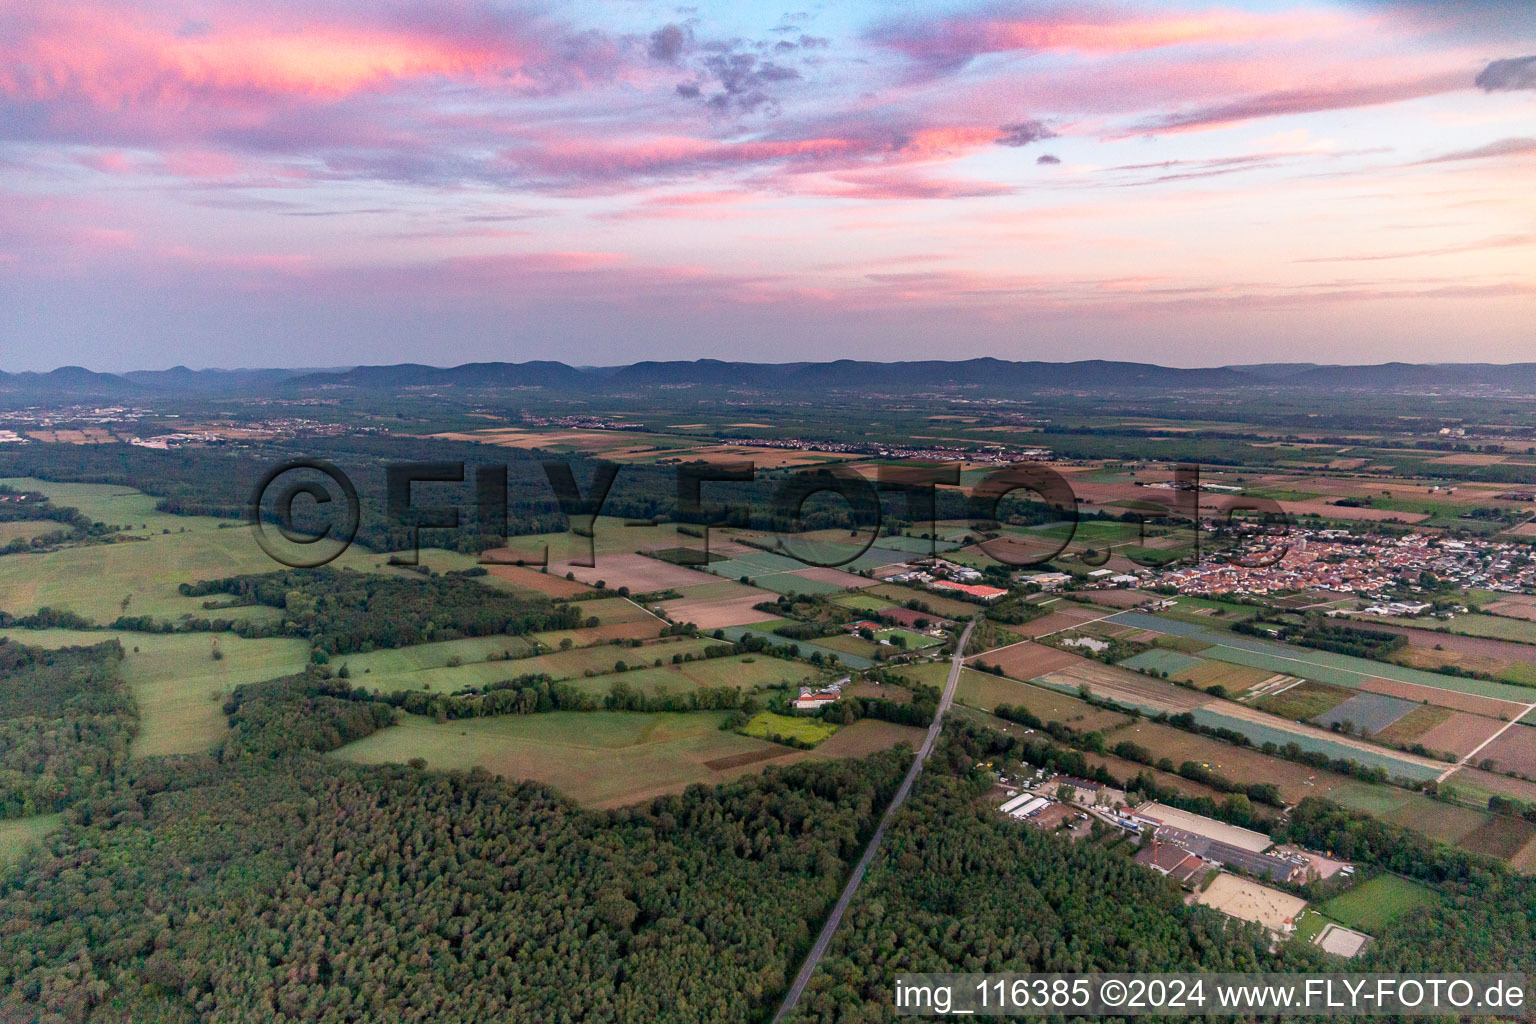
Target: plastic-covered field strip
{"type": "Point", "coordinates": [1323, 666]}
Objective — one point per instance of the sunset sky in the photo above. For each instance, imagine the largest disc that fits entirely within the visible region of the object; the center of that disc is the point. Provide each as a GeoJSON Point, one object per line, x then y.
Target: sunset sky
{"type": "Point", "coordinates": [326, 183]}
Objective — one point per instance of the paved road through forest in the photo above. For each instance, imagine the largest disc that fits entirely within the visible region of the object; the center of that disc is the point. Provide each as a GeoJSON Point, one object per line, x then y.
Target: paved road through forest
{"type": "Point", "coordinates": [830, 928]}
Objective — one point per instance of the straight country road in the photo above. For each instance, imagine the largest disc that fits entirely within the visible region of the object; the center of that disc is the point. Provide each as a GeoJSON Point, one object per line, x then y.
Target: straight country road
{"type": "Point", "coordinates": [830, 928]}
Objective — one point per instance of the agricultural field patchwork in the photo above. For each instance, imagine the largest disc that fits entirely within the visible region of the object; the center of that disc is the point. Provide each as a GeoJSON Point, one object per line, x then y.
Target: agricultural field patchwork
{"type": "Point", "coordinates": [1367, 713]}
{"type": "Point", "coordinates": [1302, 699]}
{"type": "Point", "coordinates": [1514, 751]}
{"type": "Point", "coordinates": [1027, 660]}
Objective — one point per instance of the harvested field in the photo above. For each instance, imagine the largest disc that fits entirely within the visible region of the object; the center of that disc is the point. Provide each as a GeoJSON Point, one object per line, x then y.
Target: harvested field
{"type": "Point", "coordinates": [1250, 901]}
{"type": "Point", "coordinates": [1514, 751]}
{"type": "Point", "coordinates": [985, 692]}
{"type": "Point", "coordinates": [946, 606]}
{"type": "Point", "coordinates": [600, 758]}
{"type": "Point", "coordinates": [1366, 712]}
{"type": "Point", "coordinates": [1525, 861]}
{"type": "Point", "coordinates": [1459, 734]}
{"type": "Point", "coordinates": [618, 619]}
{"type": "Point", "coordinates": [867, 736]}
{"type": "Point", "coordinates": [911, 619]}
{"type": "Point", "coordinates": [1066, 617]}
{"type": "Point", "coordinates": [1468, 459]}
{"type": "Point", "coordinates": [1236, 679]}
{"type": "Point", "coordinates": [1492, 783]}
{"type": "Point", "coordinates": [640, 573]}
{"type": "Point", "coordinates": [1518, 672]}
{"type": "Point", "coordinates": [1500, 836]}
{"type": "Point", "coordinates": [1330, 511]}
{"type": "Point", "coordinates": [1106, 682]}
{"type": "Point", "coordinates": [1027, 660]}
{"type": "Point", "coordinates": [1126, 770]}
{"type": "Point", "coordinates": [1516, 607]}
{"type": "Point", "coordinates": [847, 643]}
{"type": "Point", "coordinates": [835, 577]}
{"type": "Point", "coordinates": [1415, 724]}
{"type": "Point", "coordinates": [89, 435]}
{"type": "Point", "coordinates": [1471, 702]}
{"type": "Point", "coordinates": [737, 609]}
{"type": "Point", "coordinates": [1020, 552]}
{"type": "Point", "coordinates": [1437, 819]}
{"type": "Point", "coordinates": [532, 579]}
{"type": "Point", "coordinates": [1244, 764]}
{"type": "Point", "coordinates": [1119, 598]}
{"type": "Point", "coordinates": [1481, 646]}
{"type": "Point", "coordinates": [746, 757]}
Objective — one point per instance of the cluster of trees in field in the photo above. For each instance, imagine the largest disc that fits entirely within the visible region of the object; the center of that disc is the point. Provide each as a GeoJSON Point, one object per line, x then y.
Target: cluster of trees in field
{"type": "Point", "coordinates": [849, 709]}
{"type": "Point", "coordinates": [66, 719]}
{"type": "Point", "coordinates": [1325, 635]}
{"type": "Point", "coordinates": [18, 506]}
{"type": "Point", "coordinates": [345, 612]}
{"type": "Point", "coordinates": [530, 694]}
{"type": "Point", "coordinates": [309, 711]}
{"type": "Point", "coordinates": [302, 889]}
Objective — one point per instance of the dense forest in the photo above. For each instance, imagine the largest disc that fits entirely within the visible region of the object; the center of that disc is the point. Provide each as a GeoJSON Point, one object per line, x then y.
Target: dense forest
{"type": "Point", "coordinates": [958, 887]}
{"type": "Point", "coordinates": [65, 720]}
{"type": "Point", "coordinates": [300, 889]}
{"type": "Point", "coordinates": [345, 612]}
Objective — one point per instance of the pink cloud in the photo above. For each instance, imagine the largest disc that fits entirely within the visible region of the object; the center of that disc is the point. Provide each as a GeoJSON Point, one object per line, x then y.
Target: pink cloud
{"type": "Point", "coordinates": [952, 41]}
{"type": "Point", "coordinates": [124, 57]}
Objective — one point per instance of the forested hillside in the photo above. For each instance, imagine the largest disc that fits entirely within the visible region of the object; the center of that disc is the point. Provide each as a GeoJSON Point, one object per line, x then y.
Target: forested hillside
{"type": "Point", "coordinates": [65, 720]}
{"type": "Point", "coordinates": [300, 889]}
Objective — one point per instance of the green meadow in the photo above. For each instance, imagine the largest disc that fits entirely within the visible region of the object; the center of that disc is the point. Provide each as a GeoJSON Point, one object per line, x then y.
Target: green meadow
{"type": "Point", "coordinates": [604, 758]}
{"type": "Point", "coordinates": [18, 835]}
{"type": "Point", "coordinates": [806, 730]}
{"type": "Point", "coordinates": [1372, 906]}
{"type": "Point", "coordinates": [177, 683]}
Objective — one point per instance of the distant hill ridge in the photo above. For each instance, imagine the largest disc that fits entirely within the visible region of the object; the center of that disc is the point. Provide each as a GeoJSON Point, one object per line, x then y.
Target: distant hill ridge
{"type": "Point", "coordinates": [919, 376]}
